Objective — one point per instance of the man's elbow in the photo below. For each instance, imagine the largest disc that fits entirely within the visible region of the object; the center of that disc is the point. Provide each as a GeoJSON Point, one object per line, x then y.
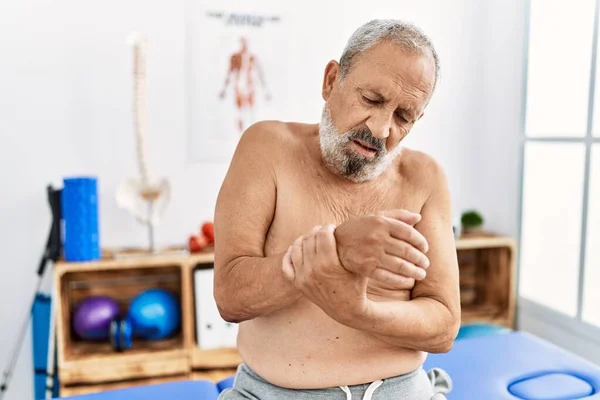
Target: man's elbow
{"type": "Point", "coordinates": [442, 344]}
{"type": "Point", "coordinates": [224, 294]}
{"type": "Point", "coordinates": [443, 340]}
{"type": "Point", "coordinates": [224, 300]}
{"type": "Point", "coordinates": [227, 306]}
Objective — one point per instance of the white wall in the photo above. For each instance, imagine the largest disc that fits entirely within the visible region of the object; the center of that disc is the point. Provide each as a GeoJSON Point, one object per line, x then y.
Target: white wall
{"type": "Point", "coordinates": [65, 110]}
{"type": "Point", "coordinates": [499, 140]}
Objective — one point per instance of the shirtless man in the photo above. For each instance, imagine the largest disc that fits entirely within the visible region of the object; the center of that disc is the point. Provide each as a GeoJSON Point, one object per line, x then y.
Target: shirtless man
{"type": "Point", "coordinates": [334, 244]}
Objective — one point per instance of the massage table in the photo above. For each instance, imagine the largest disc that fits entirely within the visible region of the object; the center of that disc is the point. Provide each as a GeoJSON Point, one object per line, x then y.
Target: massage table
{"type": "Point", "coordinates": [516, 365]}
{"type": "Point", "coordinates": [513, 365]}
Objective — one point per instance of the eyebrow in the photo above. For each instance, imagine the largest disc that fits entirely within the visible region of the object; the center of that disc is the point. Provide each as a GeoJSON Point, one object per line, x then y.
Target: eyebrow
{"type": "Point", "coordinates": [408, 115]}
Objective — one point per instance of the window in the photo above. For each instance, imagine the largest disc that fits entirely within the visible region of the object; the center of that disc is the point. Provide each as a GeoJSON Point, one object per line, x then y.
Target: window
{"type": "Point", "coordinates": [559, 62]}
{"type": "Point", "coordinates": [559, 266]}
{"type": "Point", "coordinates": [551, 224]}
{"type": "Point", "coordinates": [591, 299]}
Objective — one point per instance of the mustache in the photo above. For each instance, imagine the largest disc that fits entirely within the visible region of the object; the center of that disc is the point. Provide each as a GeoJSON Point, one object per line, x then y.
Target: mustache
{"type": "Point", "coordinates": [366, 136]}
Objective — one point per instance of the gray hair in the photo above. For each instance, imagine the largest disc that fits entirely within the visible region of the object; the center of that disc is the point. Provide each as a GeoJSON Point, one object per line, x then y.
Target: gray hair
{"type": "Point", "coordinates": [404, 34]}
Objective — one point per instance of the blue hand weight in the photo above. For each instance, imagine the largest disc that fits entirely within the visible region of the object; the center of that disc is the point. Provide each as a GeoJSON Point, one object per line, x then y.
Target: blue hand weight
{"type": "Point", "coordinates": [153, 315]}
{"type": "Point", "coordinates": [120, 334]}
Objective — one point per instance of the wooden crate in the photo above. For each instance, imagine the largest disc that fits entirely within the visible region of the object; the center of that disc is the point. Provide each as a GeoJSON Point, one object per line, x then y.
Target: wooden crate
{"type": "Point", "coordinates": [487, 276]}
{"type": "Point", "coordinates": [84, 365]}
{"type": "Point", "coordinates": [214, 375]}
{"type": "Point", "coordinates": [92, 362]}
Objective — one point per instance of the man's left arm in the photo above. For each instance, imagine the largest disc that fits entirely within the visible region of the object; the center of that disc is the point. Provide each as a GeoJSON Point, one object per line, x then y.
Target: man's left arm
{"type": "Point", "coordinates": [431, 319]}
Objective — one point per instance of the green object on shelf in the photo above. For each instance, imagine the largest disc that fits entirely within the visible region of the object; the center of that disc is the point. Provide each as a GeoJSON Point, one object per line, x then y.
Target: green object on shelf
{"type": "Point", "coordinates": [471, 219]}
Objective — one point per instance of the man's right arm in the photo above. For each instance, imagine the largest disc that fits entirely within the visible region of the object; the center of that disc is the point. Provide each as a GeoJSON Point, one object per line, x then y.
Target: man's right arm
{"type": "Point", "coordinates": [249, 284]}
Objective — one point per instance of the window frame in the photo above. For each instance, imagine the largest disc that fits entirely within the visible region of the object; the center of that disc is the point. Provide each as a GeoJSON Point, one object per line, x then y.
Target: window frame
{"type": "Point", "coordinates": [575, 324]}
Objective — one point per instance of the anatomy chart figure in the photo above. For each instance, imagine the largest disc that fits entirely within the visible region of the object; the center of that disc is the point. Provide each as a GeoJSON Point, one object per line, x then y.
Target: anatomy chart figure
{"type": "Point", "coordinates": [243, 70]}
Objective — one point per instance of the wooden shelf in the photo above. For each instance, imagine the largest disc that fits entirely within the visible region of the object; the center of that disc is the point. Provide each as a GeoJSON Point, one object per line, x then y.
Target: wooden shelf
{"type": "Point", "coordinates": [483, 311]}
{"type": "Point", "coordinates": [214, 375]}
{"type": "Point", "coordinates": [113, 260]}
{"type": "Point", "coordinates": [471, 315]}
{"type": "Point", "coordinates": [218, 358]}
{"type": "Point", "coordinates": [484, 242]}
{"type": "Point", "coordinates": [118, 367]}
{"type": "Point", "coordinates": [85, 350]}
{"type": "Point", "coordinates": [122, 278]}
{"type": "Point", "coordinates": [78, 390]}
{"type": "Point", "coordinates": [487, 267]}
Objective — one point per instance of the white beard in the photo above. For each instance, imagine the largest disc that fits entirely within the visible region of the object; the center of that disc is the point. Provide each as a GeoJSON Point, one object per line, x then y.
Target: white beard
{"type": "Point", "coordinates": [344, 161]}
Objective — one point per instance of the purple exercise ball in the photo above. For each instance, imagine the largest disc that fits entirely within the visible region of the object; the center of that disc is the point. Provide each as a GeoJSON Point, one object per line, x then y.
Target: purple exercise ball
{"type": "Point", "coordinates": [92, 317]}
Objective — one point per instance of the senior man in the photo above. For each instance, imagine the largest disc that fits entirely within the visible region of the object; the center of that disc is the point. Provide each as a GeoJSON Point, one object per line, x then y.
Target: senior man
{"type": "Point", "coordinates": [334, 245]}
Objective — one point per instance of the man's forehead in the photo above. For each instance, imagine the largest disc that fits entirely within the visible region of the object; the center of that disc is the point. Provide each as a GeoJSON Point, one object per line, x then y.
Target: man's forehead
{"type": "Point", "coordinates": [390, 63]}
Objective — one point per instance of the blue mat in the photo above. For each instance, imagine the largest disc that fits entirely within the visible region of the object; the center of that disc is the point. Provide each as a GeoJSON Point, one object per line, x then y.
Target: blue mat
{"type": "Point", "coordinates": [509, 366]}
{"type": "Point", "coordinates": [516, 365]}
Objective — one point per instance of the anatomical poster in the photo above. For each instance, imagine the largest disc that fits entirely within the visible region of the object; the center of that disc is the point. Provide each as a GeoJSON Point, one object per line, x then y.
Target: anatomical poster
{"type": "Point", "coordinates": [237, 52]}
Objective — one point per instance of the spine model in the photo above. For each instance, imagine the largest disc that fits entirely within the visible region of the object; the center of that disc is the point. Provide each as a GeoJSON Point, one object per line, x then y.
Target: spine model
{"type": "Point", "coordinates": [137, 42]}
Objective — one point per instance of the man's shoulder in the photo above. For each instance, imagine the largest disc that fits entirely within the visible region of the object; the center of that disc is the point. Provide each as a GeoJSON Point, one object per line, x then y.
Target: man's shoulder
{"type": "Point", "coordinates": [264, 132]}
{"type": "Point", "coordinates": [421, 167]}
{"type": "Point", "coordinates": [270, 135]}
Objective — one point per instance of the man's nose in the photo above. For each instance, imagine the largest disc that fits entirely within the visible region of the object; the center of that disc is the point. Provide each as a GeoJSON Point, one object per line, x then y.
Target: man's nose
{"type": "Point", "coordinates": [380, 125]}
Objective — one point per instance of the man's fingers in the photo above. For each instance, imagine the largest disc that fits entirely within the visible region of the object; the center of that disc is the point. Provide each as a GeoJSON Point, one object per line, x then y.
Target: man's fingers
{"type": "Point", "coordinates": [296, 254]}
{"type": "Point", "coordinates": [400, 266]}
{"type": "Point", "coordinates": [405, 232]}
{"type": "Point", "coordinates": [309, 247]}
{"type": "Point", "coordinates": [313, 243]}
{"type": "Point", "coordinates": [305, 247]}
{"type": "Point", "coordinates": [405, 216]}
{"type": "Point", "coordinates": [390, 279]}
{"type": "Point", "coordinates": [404, 250]}
{"type": "Point", "coordinates": [326, 242]}
{"type": "Point", "coordinates": [287, 267]}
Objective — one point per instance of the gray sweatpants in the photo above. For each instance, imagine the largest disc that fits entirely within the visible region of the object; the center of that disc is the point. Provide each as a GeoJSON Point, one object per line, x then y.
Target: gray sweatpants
{"type": "Point", "coordinates": [416, 385]}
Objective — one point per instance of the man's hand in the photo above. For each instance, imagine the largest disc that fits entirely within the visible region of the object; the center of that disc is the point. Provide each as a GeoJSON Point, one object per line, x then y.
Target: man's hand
{"type": "Point", "coordinates": [312, 264]}
{"type": "Point", "coordinates": [384, 246]}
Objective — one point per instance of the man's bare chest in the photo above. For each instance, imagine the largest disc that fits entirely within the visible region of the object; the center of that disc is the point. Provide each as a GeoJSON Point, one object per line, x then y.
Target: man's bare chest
{"type": "Point", "coordinates": [306, 201]}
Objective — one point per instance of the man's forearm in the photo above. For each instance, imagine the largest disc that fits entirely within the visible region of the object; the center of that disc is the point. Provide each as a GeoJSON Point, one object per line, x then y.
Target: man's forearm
{"type": "Point", "coordinates": [250, 287]}
{"type": "Point", "coordinates": [422, 324]}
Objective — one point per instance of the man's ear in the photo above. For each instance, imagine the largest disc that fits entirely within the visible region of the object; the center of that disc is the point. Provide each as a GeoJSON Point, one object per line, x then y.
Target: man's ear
{"type": "Point", "coordinates": [330, 79]}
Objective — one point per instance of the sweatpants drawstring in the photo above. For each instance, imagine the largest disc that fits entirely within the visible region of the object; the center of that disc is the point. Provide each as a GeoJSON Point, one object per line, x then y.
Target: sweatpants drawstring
{"type": "Point", "coordinates": [368, 393]}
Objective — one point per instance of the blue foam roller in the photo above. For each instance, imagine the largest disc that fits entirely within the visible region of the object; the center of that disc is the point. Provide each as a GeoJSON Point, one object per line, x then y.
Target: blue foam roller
{"type": "Point", "coordinates": [79, 207]}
